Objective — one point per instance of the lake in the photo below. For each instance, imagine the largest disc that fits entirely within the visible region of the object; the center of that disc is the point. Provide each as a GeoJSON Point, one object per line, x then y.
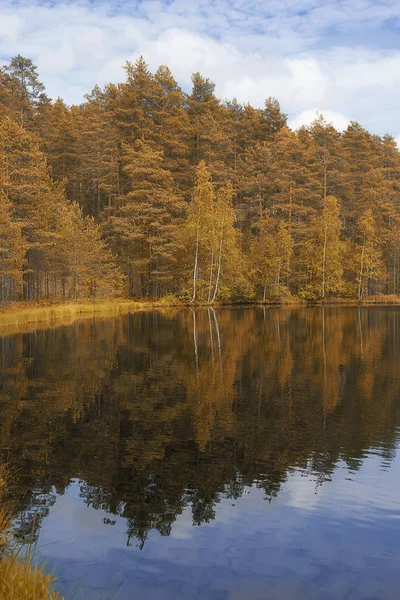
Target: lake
{"type": "Point", "coordinates": [241, 454]}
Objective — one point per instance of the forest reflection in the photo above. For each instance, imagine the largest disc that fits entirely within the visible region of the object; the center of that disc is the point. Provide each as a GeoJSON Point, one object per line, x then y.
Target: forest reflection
{"type": "Point", "coordinates": [156, 411]}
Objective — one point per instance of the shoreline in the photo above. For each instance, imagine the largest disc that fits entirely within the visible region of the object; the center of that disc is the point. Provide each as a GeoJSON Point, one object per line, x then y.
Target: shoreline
{"type": "Point", "coordinates": [23, 313]}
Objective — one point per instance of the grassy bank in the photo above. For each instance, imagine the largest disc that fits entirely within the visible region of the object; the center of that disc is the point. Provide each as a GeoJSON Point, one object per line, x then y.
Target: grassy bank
{"type": "Point", "coordinates": [24, 313]}
{"type": "Point", "coordinates": [378, 300]}
{"type": "Point", "coordinates": [19, 578]}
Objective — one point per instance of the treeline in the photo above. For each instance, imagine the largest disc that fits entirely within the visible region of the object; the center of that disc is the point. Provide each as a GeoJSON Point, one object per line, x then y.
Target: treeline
{"type": "Point", "coordinates": [146, 191]}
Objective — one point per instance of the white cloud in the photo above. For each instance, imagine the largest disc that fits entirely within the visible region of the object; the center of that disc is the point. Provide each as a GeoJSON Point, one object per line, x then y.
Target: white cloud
{"type": "Point", "coordinates": [9, 26]}
{"type": "Point", "coordinates": [339, 121]}
{"type": "Point", "coordinates": [308, 53]}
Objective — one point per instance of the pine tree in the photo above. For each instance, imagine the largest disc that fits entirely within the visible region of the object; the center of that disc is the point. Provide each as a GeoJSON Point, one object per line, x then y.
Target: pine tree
{"type": "Point", "coordinates": [147, 220]}
{"type": "Point", "coordinates": [360, 179]}
{"type": "Point", "coordinates": [21, 91]}
{"type": "Point", "coordinates": [291, 199]}
{"type": "Point", "coordinates": [99, 170]}
{"type": "Point", "coordinates": [25, 181]}
{"type": "Point", "coordinates": [272, 119]}
{"type": "Point", "coordinates": [135, 101]}
{"type": "Point", "coordinates": [12, 252]}
{"type": "Point", "coordinates": [211, 141]}
{"type": "Point", "coordinates": [325, 163]}
{"type": "Point", "coordinates": [172, 127]}
{"type": "Point", "coordinates": [256, 183]}
{"type": "Point", "coordinates": [58, 140]}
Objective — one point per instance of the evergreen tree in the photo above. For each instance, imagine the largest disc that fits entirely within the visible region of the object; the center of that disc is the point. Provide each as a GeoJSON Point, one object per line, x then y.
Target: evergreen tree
{"type": "Point", "coordinates": [21, 91]}
{"type": "Point", "coordinates": [12, 252]}
{"type": "Point", "coordinates": [135, 101]}
{"type": "Point", "coordinates": [99, 170]}
{"type": "Point", "coordinates": [272, 119]}
{"type": "Point", "coordinates": [211, 142]}
{"type": "Point", "coordinates": [58, 140]}
{"type": "Point", "coordinates": [147, 220]}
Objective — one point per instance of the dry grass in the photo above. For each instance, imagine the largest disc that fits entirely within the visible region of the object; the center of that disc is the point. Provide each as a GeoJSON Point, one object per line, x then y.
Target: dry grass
{"type": "Point", "coordinates": [24, 313]}
{"type": "Point", "coordinates": [382, 299]}
{"type": "Point", "coordinates": [379, 299]}
{"type": "Point", "coordinates": [19, 579]}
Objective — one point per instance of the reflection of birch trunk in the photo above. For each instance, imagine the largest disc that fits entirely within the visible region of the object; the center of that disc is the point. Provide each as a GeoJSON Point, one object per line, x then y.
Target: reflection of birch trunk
{"type": "Point", "coordinates": [211, 335]}
{"type": "Point", "coordinates": [196, 258]}
{"type": "Point", "coordinates": [360, 280]}
{"type": "Point", "coordinates": [324, 366]}
{"type": "Point", "coordinates": [196, 353]}
{"type": "Point", "coordinates": [361, 334]}
{"type": "Point", "coordinates": [211, 277]}
{"type": "Point", "coordinates": [278, 328]}
{"type": "Point", "coordinates": [218, 340]}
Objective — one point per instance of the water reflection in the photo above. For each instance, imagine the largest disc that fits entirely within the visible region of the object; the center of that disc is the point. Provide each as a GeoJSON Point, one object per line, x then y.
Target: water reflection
{"type": "Point", "coordinates": [162, 416]}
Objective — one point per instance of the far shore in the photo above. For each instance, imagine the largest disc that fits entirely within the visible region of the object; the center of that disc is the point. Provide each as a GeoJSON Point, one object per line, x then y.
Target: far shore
{"type": "Point", "coordinates": [21, 314]}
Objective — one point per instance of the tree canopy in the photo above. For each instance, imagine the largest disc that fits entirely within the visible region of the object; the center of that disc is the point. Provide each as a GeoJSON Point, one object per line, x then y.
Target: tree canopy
{"type": "Point", "coordinates": [144, 190]}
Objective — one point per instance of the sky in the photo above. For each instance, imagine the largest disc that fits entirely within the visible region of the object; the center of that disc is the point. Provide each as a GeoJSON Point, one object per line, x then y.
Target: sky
{"type": "Point", "coordinates": [338, 57]}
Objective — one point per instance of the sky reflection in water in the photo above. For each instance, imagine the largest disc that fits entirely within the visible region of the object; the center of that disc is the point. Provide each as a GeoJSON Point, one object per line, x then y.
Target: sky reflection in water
{"type": "Point", "coordinates": [241, 454]}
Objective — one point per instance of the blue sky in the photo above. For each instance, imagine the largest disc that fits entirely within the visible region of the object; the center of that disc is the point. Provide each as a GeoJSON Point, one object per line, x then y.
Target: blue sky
{"type": "Point", "coordinates": [339, 57]}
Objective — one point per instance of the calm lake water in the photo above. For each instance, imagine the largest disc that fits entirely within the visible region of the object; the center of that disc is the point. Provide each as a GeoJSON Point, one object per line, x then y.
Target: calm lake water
{"type": "Point", "coordinates": [242, 454]}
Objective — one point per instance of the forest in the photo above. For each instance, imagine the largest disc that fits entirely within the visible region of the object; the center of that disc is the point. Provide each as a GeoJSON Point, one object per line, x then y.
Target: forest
{"type": "Point", "coordinates": [145, 191]}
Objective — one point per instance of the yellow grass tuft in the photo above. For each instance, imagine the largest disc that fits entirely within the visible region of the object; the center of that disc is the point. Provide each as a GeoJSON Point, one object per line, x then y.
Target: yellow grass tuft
{"type": "Point", "coordinates": [24, 313]}
{"type": "Point", "coordinates": [19, 579]}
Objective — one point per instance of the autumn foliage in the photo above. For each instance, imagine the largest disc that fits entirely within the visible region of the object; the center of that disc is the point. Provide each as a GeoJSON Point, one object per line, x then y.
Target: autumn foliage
{"type": "Point", "coordinates": [145, 191]}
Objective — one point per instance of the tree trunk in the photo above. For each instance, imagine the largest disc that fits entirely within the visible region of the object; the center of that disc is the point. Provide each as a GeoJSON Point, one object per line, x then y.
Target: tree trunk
{"type": "Point", "coordinates": [211, 277]}
{"type": "Point", "coordinates": [265, 286]}
{"type": "Point", "coordinates": [324, 258]}
{"type": "Point", "coordinates": [360, 279]}
{"type": "Point", "coordinates": [219, 260]}
{"type": "Point", "coordinates": [196, 258]}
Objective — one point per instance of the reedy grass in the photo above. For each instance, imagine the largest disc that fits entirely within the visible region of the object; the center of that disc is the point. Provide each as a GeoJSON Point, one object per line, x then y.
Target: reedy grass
{"type": "Point", "coordinates": [20, 580]}
{"type": "Point", "coordinates": [25, 313]}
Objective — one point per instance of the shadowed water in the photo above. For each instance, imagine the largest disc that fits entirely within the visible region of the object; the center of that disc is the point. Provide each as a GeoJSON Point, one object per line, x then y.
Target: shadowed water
{"type": "Point", "coordinates": [211, 454]}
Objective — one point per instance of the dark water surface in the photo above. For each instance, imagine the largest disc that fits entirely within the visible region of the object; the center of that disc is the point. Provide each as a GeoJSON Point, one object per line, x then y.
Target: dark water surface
{"type": "Point", "coordinates": [242, 454]}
